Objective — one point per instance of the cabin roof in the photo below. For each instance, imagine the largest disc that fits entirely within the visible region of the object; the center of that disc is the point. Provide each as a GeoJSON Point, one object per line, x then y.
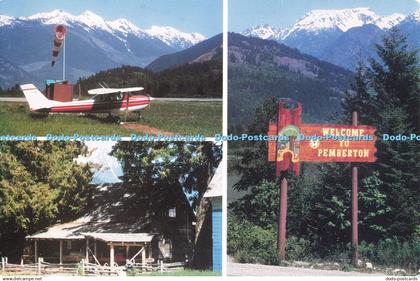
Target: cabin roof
{"type": "Point", "coordinates": [60, 231]}
{"type": "Point", "coordinates": [111, 212]}
{"type": "Point", "coordinates": [215, 186]}
{"type": "Point", "coordinates": [121, 237]}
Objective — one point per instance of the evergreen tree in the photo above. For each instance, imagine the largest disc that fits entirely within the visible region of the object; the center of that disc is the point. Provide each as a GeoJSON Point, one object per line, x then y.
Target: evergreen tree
{"type": "Point", "coordinates": [387, 96]}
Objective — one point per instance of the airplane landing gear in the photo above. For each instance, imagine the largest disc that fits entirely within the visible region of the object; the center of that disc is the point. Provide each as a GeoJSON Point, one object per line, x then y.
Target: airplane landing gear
{"type": "Point", "coordinates": [139, 117]}
{"type": "Point", "coordinates": [112, 118]}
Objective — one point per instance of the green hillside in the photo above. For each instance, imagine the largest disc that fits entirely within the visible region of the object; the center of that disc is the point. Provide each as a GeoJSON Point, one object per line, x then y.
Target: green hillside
{"type": "Point", "coordinates": [201, 80]}
{"type": "Point", "coordinates": [210, 49]}
{"type": "Point", "coordinates": [259, 69]}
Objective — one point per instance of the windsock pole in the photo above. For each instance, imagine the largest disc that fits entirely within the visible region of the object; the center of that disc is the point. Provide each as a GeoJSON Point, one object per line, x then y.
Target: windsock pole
{"type": "Point", "coordinates": [64, 59]}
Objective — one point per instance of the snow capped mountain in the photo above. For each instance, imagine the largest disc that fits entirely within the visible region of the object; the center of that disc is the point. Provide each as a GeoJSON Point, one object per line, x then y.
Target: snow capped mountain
{"type": "Point", "coordinates": [170, 35]}
{"type": "Point", "coordinates": [90, 21]}
{"type": "Point", "coordinates": [265, 31]}
{"type": "Point", "coordinates": [5, 20]}
{"type": "Point", "coordinates": [321, 20]}
{"type": "Point", "coordinates": [415, 17]}
{"type": "Point", "coordinates": [92, 44]}
{"type": "Point", "coordinates": [124, 26]}
{"type": "Point", "coordinates": [329, 19]}
{"type": "Point", "coordinates": [339, 36]}
{"type": "Point", "coordinates": [387, 22]}
{"type": "Point", "coordinates": [53, 17]}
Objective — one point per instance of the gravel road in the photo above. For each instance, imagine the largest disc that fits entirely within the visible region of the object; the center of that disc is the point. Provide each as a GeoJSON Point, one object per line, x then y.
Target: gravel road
{"type": "Point", "coordinates": [241, 269]}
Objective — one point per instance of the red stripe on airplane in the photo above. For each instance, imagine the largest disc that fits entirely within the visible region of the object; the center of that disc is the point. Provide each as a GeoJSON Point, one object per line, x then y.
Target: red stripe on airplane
{"type": "Point", "coordinates": [96, 107]}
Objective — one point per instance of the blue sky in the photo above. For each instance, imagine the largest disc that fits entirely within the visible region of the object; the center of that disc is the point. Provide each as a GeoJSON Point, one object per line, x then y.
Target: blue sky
{"type": "Point", "coordinates": [203, 16]}
{"type": "Point", "coordinates": [283, 13]}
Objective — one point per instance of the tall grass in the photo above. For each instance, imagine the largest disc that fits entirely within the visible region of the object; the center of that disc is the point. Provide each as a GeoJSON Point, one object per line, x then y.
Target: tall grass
{"type": "Point", "coordinates": [177, 117]}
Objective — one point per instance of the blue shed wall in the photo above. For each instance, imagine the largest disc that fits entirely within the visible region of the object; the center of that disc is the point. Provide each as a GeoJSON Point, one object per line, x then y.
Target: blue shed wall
{"type": "Point", "coordinates": [217, 233]}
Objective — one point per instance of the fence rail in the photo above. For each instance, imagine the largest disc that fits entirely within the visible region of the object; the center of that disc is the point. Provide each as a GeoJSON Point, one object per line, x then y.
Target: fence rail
{"type": "Point", "coordinates": [160, 266]}
{"type": "Point", "coordinates": [92, 269]}
{"type": "Point", "coordinates": [84, 268]}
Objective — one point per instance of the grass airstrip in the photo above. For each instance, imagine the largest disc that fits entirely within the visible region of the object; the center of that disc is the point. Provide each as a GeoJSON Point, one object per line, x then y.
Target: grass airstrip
{"type": "Point", "coordinates": [162, 117]}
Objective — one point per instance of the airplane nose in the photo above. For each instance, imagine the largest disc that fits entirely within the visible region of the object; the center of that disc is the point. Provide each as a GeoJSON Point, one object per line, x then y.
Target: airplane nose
{"type": "Point", "coordinates": [151, 98]}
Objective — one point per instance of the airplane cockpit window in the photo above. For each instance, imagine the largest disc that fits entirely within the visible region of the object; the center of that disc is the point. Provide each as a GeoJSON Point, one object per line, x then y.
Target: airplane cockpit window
{"type": "Point", "coordinates": [116, 96]}
{"type": "Point", "coordinates": [98, 97]}
{"type": "Point", "coordinates": [109, 97]}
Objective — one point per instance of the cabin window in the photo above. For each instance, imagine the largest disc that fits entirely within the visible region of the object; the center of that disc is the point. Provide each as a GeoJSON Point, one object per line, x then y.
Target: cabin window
{"type": "Point", "coordinates": [116, 97]}
{"type": "Point", "coordinates": [68, 245]}
{"type": "Point", "coordinates": [172, 212]}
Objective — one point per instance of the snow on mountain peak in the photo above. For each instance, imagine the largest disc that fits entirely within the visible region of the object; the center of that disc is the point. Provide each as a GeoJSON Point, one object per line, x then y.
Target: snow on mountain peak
{"type": "Point", "coordinates": [125, 26]}
{"type": "Point", "coordinates": [93, 20]}
{"type": "Point", "coordinates": [318, 20]}
{"type": "Point", "coordinates": [387, 22]}
{"type": "Point", "coordinates": [265, 31]}
{"type": "Point", "coordinates": [5, 20]}
{"type": "Point", "coordinates": [89, 20]}
{"type": "Point", "coordinates": [342, 19]}
{"type": "Point", "coordinates": [170, 35]}
{"type": "Point", "coordinates": [54, 17]}
{"type": "Point", "coordinates": [414, 17]}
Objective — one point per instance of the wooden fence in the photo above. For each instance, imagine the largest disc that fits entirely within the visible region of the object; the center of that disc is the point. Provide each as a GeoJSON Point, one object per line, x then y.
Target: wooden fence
{"type": "Point", "coordinates": [84, 268]}
{"type": "Point", "coordinates": [156, 267]}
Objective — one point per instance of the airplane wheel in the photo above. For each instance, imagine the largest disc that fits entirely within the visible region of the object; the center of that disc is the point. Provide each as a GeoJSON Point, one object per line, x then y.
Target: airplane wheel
{"type": "Point", "coordinates": [118, 120]}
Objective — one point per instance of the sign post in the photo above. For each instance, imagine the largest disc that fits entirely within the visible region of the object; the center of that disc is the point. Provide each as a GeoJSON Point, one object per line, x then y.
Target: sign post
{"type": "Point", "coordinates": [316, 143]}
{"type": "Point", "coordinates": [355, 207]}
{"type": "Point", "coordinates": [285, 153]}
{"type": "Point", "coordinates": [282, 216]}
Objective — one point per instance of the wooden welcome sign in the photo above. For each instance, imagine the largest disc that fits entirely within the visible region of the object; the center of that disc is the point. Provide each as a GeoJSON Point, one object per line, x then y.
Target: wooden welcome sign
{"type": "Point", "coordinates": [298, 142]}
{"type": "Point", "coordinates": [337, 143]}
{"type": "Point", "coordinates": [316, 142]}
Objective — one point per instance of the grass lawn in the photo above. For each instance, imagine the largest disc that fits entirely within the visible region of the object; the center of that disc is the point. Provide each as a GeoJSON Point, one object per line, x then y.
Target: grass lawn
{"type": "Point", "coordinates": [177, 117]}
{"type": "Point", "coordinates": [186, 118]}
{"type": "Point", "coordinates": [185, 272]}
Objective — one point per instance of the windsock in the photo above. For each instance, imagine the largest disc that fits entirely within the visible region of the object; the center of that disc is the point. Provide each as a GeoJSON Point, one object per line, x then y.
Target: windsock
{"type": "Point", "coordinates": [58, 42]}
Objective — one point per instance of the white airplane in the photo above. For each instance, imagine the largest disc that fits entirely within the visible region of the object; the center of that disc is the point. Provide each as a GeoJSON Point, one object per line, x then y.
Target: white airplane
{"type": "Point", "coordinates": [105, 100]}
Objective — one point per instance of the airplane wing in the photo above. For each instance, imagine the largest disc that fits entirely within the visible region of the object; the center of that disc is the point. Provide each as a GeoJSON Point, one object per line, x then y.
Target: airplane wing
{"type": "Point", "coordinates": [107, 91]}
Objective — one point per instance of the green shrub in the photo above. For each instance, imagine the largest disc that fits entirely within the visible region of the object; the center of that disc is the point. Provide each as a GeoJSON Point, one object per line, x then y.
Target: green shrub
{"type": "Point", "coordinates": [298, 249]}
{"type": "Point", "coordinates": [249, 243]}
{"type": "Point", "coordinates": [367, 251]}
{"type": "Point", "coordinates": [393, 252]}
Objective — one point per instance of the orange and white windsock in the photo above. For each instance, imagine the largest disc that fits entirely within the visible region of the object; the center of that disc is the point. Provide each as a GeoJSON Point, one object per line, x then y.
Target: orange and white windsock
{"type": "Point", "coordinates": [58, 42]}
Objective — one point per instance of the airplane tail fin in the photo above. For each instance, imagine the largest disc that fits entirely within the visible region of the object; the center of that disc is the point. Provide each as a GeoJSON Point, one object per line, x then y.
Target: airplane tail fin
{"type": "Point", "coordinates": [35, 98]}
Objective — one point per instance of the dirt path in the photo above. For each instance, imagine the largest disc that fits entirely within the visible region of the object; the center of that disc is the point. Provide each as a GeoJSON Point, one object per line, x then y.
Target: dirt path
{"type": "Point", "coordinates": [246, 269]}
{"type": "Point", "coordinates": [146, 129]}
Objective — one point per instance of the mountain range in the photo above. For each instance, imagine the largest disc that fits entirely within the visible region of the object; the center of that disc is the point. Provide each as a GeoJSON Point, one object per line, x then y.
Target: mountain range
{"type": "Point", "coordinates": [260, 69]}
{"type": "Point", "coordinates": [210, 49]}
{"type": "Point", "coordinates": [340, 36]}
{"type": "Point", "coordinates": [92, 44]}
